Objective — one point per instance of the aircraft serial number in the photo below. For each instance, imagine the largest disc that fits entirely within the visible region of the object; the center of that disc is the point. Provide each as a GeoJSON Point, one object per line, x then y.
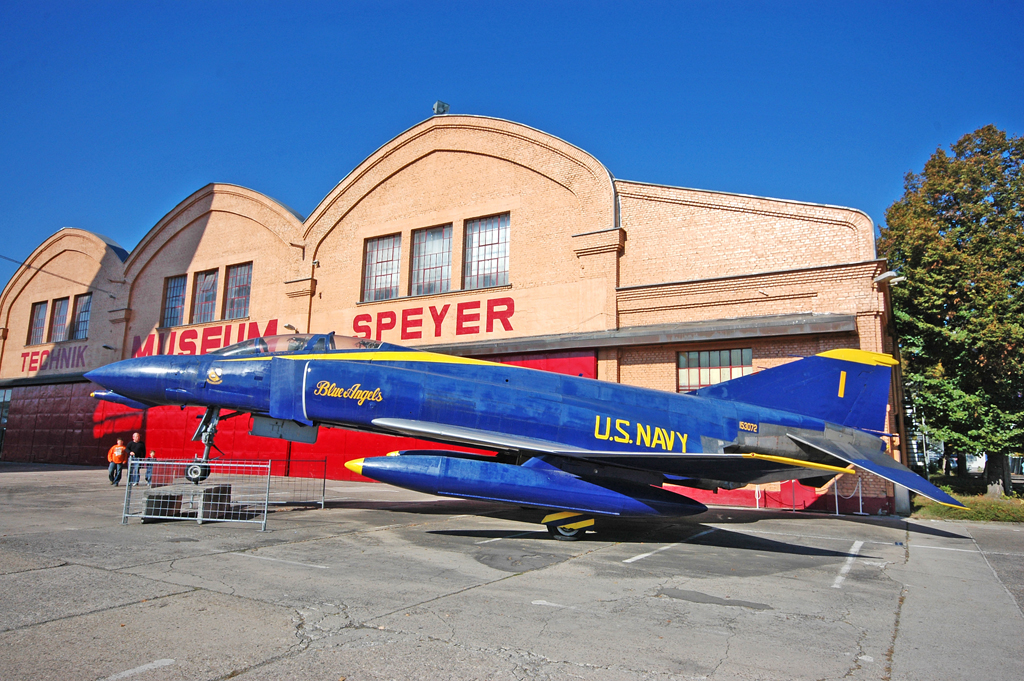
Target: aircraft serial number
{"type": "Point", "coordinates": [646, 436]}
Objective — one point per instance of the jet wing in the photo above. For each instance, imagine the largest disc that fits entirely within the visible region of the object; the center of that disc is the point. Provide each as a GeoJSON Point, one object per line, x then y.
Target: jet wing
{"type": "Point", "coordinates": [474, 437]}
{"type": "Point", "coordinates": [877, 463]}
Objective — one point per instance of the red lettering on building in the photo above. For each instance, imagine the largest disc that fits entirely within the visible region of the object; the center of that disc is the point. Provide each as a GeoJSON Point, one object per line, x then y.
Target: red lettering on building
{"type": "Point", "coordinates": [386, 321]}
{"type": "Point", "coordinates": [361, 325]}
{"type": "Point", "coordinates": [254, 330]}
{"type": "Point", "coordinates": [186, 342]}
{"type": "Point", "coordinates": [504, 315]}
{"type": "Point", "coordinates": [412, 319]}
{"type": "Point", "coordinates": [469, 318]}
{"type": "Point", "coordinates": [211, 339]}
{"type": "Point", "coordinates": [463, 318]}
{"type": "Point", "coordinates": [33, 361]}
{"type": "Point", "coordinates": [24, 358]}
{"type": "Point", "coordinates": [143, 350]}
{"type": "Point", "coordinates": [438, 317]}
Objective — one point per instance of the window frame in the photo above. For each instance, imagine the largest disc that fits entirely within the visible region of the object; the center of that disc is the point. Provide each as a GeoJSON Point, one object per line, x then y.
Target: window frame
{"type": "Point", "coordinates": [418, 284]}
{"type": "Point", "coordinates": [37, 323]}
{"type": "Point", "coordinates": [472, 278]}
{"type": "Point", "coordinates": [707, 366]}
{"type": "Point", "coordinates": [229, 300]}
{"type": "Point", "coordinates": [76, 330]}
{"type": "Point", "coordinates": [51, 335]}
{"type": "Point", "coordinates": [394, 262]}
{"type": "Point", "coordinates": [197, 315]}
{"type": "Point", "coordinates": [183, 278]}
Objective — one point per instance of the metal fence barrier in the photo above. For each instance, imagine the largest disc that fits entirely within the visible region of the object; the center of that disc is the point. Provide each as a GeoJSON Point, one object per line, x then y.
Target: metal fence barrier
{"type": "Point", "coordinates": [222, 491]}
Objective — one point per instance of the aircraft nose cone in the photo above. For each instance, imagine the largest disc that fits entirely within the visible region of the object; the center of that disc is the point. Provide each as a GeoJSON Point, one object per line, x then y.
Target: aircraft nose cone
{"type": "Point", "coordinates": [142, 378]}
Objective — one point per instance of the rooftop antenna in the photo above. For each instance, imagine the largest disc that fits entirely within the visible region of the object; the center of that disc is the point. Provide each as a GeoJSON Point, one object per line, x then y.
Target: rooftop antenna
{"type": "Point", "coordinates": [440, 108]}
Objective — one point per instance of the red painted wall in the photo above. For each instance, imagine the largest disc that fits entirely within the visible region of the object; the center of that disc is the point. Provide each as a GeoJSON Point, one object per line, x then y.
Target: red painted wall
{"type": "Point", "coordinates": [63, 424]}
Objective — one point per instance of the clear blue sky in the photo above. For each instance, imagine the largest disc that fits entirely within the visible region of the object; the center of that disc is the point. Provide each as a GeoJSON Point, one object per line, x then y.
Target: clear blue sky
{"type": "Point", "coordinates": [113, 112]}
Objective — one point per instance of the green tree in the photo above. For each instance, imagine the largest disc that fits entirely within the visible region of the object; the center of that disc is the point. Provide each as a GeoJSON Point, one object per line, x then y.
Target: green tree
{"type": "Point", "coordinates": [957, 235]}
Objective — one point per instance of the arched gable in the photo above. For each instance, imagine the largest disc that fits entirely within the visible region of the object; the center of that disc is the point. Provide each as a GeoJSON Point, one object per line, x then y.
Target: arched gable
{"type": "Point", "coordinates": [70, 263]}
{"type": "Point", "coordinates": [562, 163]}
{"type": "Point", "coordinates": [276, 218]}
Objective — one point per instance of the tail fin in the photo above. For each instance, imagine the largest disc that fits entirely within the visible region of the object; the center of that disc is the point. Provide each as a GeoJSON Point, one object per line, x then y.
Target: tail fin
{"type": "Point", "coordinates": [846, 387]}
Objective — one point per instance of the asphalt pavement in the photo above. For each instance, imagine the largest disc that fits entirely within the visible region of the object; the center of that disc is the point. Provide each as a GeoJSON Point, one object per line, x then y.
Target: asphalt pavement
{"type": "Point", "coordinates": [390, 584]}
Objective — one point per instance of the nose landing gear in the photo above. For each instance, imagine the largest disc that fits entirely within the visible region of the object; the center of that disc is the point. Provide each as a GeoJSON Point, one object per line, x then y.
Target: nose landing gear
{"type": "Point", "coordinates": [199, 471]}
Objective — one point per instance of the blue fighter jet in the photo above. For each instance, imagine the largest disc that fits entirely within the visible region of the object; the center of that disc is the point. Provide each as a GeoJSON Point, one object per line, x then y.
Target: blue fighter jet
{"type": "Point", "coordinates": [579, 448]}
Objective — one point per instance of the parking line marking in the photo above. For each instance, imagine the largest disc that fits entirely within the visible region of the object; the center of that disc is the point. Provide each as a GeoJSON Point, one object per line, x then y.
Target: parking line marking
{"type": "Point", "coordinates": [138, 670]}
{"type": "Point", "coordinates": [663, 548]}
{"type": "Point", "coordinates": [278, 560]}
{"type": "Point", "coordinates": [855, 549]}
{"type": "Point", "coordinates": [511, 536]}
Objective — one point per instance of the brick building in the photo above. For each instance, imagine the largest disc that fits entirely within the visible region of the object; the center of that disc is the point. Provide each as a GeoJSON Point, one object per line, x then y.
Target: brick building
{"type": "Point", "coordinates": [464, 234]}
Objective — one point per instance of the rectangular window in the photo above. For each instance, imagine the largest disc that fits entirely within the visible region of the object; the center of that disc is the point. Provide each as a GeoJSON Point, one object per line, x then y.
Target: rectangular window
{"type": "Point", "coordinates": [37, 324]}
{"type": "Point", "coordinates": [431, 260]}
{"type": "Point", "coordinates": [236, 295]}
{"type": "Point", "coordinates": [174, 301]}
{"type": "Point", "coordinates": [204, 297]}
{"type": "Point", "coordinates": [486, 262]}
{"type": "Point", "coordinates": [708, 367]}
{"type": "Point", "coordinates": [80, 317]}
{"type": "Point", "coordinates": [380, 274]}
{"type": "Point", "coordinates": [59, 321]}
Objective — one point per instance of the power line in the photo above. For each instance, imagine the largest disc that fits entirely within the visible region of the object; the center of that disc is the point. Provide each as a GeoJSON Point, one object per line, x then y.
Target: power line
{"type": "Point", "coordinates": [53, 274]}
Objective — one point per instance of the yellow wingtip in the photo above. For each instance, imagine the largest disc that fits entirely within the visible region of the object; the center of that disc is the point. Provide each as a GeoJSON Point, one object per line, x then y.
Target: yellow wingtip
{"type": "Point", "coordinates": [355, 465]}
{"type": "Point", "coordinates": [860, 356]}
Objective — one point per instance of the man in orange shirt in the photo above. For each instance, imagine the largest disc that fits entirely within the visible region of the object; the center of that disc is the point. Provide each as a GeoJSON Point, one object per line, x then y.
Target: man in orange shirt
{"type": "Point", "coordinates": [117, 457]}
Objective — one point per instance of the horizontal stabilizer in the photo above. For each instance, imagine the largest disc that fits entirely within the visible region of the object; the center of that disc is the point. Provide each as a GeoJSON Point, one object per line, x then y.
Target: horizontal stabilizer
{"type": "Point", "coordinates": [879, 464]}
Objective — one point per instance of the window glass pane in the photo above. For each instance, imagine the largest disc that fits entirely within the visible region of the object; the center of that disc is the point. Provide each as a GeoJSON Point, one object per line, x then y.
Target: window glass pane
{"type": "Point", "coordinates": [204, 297]}
{"type": "Point", "coordinates": [431, 260]}
{"type": "Point", "coordinates": [37, 324]}
{"type": "Point", "coordinates": [59, 321]}
{"type": "Point", "coordinates": [486, 257]}
{"type": "Point", "coordinates": [80, 317]}
{"type": "Point", "coordinates": [380, 276]}
{"type": "Point", "coordinates": [174, 301]}
{"type": "Point", "coordinates": [715, 366]}
{"type": "Point", "coordinates": [236, 304]}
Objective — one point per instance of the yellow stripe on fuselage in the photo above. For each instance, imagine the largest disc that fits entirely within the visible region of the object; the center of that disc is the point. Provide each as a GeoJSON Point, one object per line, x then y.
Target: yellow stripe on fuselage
{"type": "Point", "coordinates": [798, 462]}
{"type": "Point", "coordinates": [390, 356]}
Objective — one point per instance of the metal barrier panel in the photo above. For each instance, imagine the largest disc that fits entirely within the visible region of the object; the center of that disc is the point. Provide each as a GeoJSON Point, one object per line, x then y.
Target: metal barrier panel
{"type": "Point", "coordinates": [235, 491]}
{"type": "Point", "coordinates": [222, 491]}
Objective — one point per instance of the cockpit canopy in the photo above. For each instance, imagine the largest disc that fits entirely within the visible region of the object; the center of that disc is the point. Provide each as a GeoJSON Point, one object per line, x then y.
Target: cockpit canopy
{"type": "Point", "coordinates": [295, 342]}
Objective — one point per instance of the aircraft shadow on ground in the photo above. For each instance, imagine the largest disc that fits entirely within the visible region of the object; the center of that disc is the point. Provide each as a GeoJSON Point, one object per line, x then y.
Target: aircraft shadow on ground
{"type": "Point", "coordinates": [624, 530]}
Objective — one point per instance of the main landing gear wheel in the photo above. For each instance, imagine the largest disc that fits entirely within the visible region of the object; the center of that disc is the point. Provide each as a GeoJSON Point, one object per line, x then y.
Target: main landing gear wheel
{"type": "Point", "coordinates": [197, 472]}
{"type": "Point", "coordinates": [564, 533]}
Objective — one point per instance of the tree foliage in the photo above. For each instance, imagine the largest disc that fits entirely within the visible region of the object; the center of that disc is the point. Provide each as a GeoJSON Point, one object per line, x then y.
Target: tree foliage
{"type": "Point", "coordinates": [957, 235]}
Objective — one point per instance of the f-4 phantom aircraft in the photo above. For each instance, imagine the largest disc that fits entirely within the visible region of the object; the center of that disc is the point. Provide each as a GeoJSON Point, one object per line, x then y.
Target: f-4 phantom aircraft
{"type": "Point", "coordinates": [579, 448]}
